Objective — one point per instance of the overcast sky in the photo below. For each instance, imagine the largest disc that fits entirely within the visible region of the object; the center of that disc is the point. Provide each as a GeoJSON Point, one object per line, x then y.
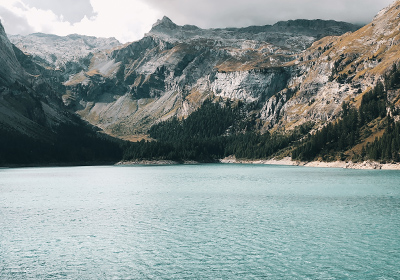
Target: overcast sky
{"type": "Point", "coordinates": [128, 20]}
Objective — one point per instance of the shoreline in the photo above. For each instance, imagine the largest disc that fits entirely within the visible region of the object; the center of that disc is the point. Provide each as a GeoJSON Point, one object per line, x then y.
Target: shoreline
{"type": "Point", "coordinates": [287, 161]}
{"type": "Point", "coordinates": [156, 162]}
{"type": "Point", "coordinates": [366, 165]}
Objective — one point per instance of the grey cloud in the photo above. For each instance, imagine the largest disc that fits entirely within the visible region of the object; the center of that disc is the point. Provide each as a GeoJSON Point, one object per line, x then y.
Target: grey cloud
{"type": "Point", "coordinates": [72, 10]}
{"type": "Point", "coordinates": [224, 13]}
{"type": "Point", "coordinates": [14, 24]}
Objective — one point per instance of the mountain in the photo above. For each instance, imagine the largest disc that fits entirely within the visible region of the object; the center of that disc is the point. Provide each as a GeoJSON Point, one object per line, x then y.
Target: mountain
{"type": "Point", "coordinates": [35, 125]}
{"type": "Point", "coordinates": [173, 69]}
{"type": "Point", "coordinates": [309, 89]}
{"type": "Point", "coordinates": [59, 52]}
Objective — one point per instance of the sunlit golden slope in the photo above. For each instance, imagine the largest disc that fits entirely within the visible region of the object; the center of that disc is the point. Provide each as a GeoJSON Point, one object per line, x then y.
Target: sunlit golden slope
{"type": "Point", "coordinates": [336, 69]}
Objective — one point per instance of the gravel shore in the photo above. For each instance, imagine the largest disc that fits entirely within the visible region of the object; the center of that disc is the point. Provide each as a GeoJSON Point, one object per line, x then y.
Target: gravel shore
{"type": "Point", "coordinates": [335, 164]}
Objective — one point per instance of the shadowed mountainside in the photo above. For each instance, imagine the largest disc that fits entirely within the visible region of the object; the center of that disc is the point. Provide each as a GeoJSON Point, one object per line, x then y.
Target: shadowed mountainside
{"type": "Point", "coordinates": [35, 125]}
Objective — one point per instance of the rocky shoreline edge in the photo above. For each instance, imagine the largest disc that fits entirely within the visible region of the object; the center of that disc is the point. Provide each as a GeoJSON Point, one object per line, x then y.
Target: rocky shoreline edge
{"type": "Point", "coordinates": [366, 165]}
{"type": "Point", "coordinates": [154, 162]}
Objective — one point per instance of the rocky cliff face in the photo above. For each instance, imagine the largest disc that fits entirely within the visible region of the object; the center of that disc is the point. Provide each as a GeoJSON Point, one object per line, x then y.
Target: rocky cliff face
{"type": "Point", "coordinates": [173, 69]}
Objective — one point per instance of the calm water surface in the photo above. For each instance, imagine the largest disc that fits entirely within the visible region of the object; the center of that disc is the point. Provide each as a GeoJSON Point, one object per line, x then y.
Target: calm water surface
{"type": "Point", "coordinates": [199, 222]}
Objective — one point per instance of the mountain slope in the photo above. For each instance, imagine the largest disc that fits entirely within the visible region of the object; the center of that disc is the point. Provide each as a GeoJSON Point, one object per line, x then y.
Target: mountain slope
{"type": "Point", "coordinates": [20, 107]}
{"type": "Point", "coordinates": [35, 126]}
{"type": "Point", "coordinates": [10, 69]}
{"type": "Point", "coordinates": [337, 69]}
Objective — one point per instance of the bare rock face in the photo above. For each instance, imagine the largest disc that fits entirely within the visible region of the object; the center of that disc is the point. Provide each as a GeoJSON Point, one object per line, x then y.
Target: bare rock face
{"type": "Point", "coordinates": [35, 125]}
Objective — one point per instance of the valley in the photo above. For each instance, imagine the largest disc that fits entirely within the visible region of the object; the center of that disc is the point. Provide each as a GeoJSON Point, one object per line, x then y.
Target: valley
{"type": "Point", "coordinates": [274, 88]}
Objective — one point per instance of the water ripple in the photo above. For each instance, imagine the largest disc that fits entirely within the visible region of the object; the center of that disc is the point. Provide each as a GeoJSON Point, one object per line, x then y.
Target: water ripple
{"type": "Point", "coordinates": [199, 222]}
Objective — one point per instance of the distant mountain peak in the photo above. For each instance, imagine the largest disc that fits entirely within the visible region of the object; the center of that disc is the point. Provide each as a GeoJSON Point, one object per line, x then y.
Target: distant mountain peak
{"type": "Point", "coordinates": [164, 23]}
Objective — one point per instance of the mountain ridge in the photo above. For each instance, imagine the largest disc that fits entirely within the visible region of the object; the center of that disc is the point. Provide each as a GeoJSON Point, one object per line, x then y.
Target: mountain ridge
{"type": "Point", "coordinates": [168, 30]}
{"type": "Point", "coordinates": [53, 51]}
{"type": "Point", "coordinates": [170, 74]}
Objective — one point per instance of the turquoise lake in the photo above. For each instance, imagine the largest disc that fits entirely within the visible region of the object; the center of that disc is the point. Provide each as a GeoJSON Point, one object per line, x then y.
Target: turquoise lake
{"type": "Point", "coordinates": [211, 221]}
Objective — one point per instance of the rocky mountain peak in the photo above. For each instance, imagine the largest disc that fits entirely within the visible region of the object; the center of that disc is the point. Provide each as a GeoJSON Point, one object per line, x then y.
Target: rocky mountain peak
{"type": "Point", "coordinates": [164, 23]}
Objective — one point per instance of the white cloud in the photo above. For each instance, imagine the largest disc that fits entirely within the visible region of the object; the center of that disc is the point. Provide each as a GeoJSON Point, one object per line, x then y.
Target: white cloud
{"type": "Point", "coordinates": [71, 10]}
{"type": "Point", "coordinates": [126, 20]}
{"type": "Point", "coordinates": [34, 19]}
